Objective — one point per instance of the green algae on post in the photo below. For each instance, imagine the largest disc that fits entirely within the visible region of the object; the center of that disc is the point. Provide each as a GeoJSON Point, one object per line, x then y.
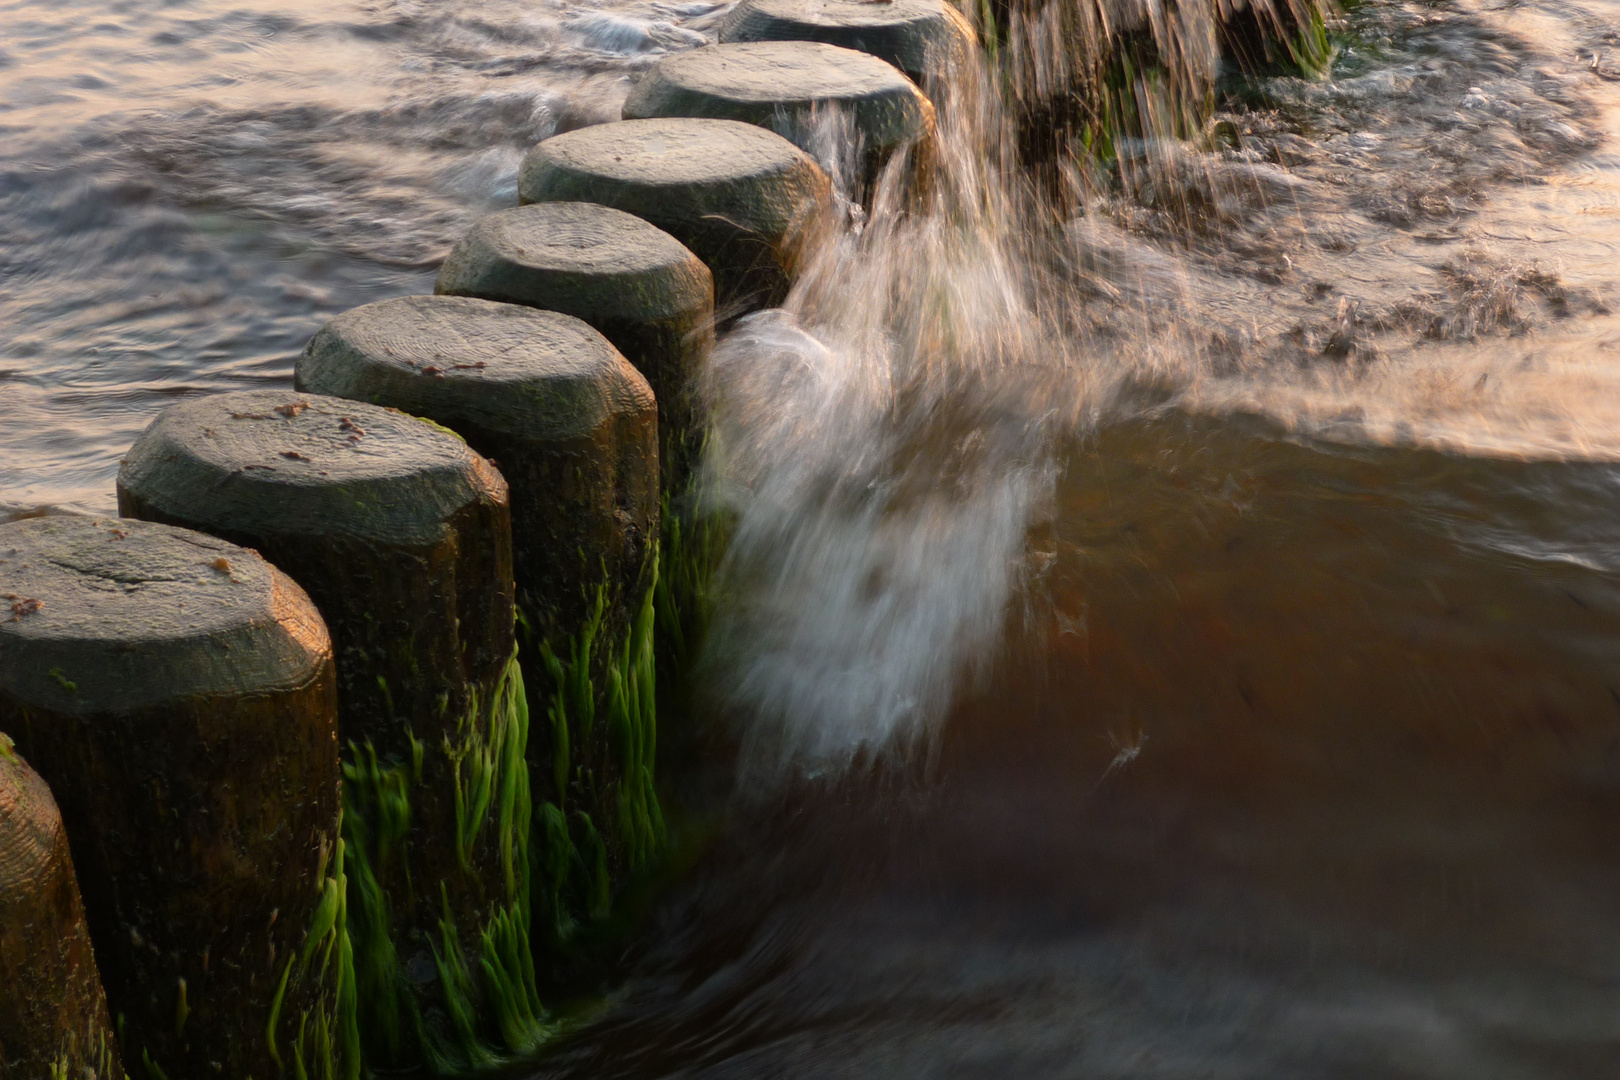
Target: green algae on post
{"type": "Point", "coordinates": [402, 536]}
{"type": "Point", "coordinates": [203, 710]}
{"type": "Point", "coordinates": [484, 1008]}
{"type": "Point", "coordinates": [689, 556]}
{"type": "Point", "coordinates": [603, 717]}
{"type": "Point", "coordinates": [327, 1040]}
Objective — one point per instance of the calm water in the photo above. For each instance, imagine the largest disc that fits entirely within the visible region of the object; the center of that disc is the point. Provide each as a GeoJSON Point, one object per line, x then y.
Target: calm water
{"type": "Point", "coordinates": [1184, 642]}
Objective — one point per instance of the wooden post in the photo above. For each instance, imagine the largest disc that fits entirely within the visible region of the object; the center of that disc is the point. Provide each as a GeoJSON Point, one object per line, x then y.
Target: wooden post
{"type": "Point", "coordinates": [744, 200]}
{"type": "Point", "coordinates": [53, 1014]}
{"type": "Point", "coordinates": [784, 86]}
{"type": "Point", "coordinates": [574, 429]}
{"type": "Point", "coordinates": [923, 38]}
{"type": "Point", "coordinates": [178, 694]}
{"type": "Point", "coordinates": [637, 285]}
{"type": "Point", "coordinates": [402, 535]}
{"type": "Point", "coordinates": [572, 425]}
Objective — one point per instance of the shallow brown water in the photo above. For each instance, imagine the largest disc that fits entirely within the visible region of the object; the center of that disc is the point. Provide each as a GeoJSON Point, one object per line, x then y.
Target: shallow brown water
{"type": "Point", "coordinates": [1312, 771]}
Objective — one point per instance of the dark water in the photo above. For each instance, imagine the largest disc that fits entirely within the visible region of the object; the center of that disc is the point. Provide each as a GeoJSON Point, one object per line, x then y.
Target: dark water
{"type": "Point", "coordinates": [1313, 772]}
{"type": "Point", "coordinates": [1207, 668]}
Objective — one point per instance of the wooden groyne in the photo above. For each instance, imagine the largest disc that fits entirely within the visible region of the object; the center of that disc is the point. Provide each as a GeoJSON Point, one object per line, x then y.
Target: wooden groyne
{"type": "Point", "coordinates": [352, 716]}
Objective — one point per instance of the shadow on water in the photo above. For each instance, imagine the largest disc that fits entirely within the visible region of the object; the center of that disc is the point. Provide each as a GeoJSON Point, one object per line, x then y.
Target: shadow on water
{"type": "Point", "coordinates": [1311, 767]}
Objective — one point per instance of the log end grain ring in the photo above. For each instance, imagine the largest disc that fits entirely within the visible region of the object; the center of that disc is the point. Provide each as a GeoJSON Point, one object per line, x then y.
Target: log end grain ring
{"type": "Point", "coordinates": [131, 615]}
{"type": "Point", "coordinates": [592, 262]}
{"type": "Point", "coordinates": [521, 373]}
{"type": "Point", "coordinates": [53, 1013]}
{"type": "Point", "coordinates": [271, 462]}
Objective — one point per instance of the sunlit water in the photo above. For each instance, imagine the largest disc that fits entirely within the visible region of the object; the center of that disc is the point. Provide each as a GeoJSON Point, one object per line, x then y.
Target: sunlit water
{"type": "Point", "coordinates": [1179, 641]}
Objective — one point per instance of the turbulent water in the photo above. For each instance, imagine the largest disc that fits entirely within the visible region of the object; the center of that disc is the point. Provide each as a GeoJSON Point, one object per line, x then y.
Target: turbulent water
{"type": "Point", "coordinates": [1177, 637]}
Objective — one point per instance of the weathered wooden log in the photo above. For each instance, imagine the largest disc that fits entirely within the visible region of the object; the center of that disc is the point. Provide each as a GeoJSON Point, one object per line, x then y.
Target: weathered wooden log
{"type": "Point", "coordinates": [574, 428]}
{"type": "Point", "coordinates": [53, 1014]}
{"type": "Point", "coordinates": [402, 535]}
{"type": "Point", "coordinates": [920, 37]}
{"type": "Point", "coordinates": [178, 693]}
{"type": "Point", "coordinates": [786, 86]}
{"type": "Point", "coordinates": [571, 423]}
{"type": "Point", "coordinates": [744, 200]}
{"type": "Point", "coordinates": [639, 286]}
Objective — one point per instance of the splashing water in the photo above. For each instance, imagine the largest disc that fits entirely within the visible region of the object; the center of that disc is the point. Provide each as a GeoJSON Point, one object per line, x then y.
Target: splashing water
{"type": "Point", "coordinates": [884, 442]}
{"type": "Point", "coordinates": [888, 439]}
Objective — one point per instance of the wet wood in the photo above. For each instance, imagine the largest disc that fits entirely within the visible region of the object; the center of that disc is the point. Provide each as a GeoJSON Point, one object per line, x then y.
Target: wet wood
{"type": "Point", "coordinates": [743, 199]}
{"type": "Point", "coordinates": [644, 290]}
{"type": "Point", "coordinates": [53, 1014]}
{"type": "Point", "coordinates": [402, 535]}
{"type": "Point", "coordinates": [920, 37]}
{"type": "Point", "coordinates": [178, 693]}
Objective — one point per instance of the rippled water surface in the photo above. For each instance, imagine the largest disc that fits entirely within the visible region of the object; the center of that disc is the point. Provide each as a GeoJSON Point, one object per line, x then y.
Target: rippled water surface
{"type": "Point", "coordinates": [189, 189]}
{"type": "Point", "coordinates": [1178, 641]}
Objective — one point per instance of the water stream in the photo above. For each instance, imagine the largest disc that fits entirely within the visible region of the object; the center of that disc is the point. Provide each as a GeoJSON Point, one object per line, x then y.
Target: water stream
{"type": "Point", "coordinates": [1178, 640]}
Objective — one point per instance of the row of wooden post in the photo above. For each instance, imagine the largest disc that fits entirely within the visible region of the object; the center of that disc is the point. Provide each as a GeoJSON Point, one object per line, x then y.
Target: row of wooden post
{"type": "Point", "coordinates": [279, 701]}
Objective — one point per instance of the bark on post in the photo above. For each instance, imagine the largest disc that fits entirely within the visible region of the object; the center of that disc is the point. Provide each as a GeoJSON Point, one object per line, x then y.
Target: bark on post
{"type": "Point", "coordinates": [53, 1014]}
{"type": "Point", "coordinates": [639, 286]}
{"type": "Point", "coordinates": [402, 535]}
{"type": "Point", "coordinates": [923, 38]}
{"type": "Point", "coordinates": [792, 88]}
{"type": "Point", "coordinates": [178, 693]}
{"type": "Point", "coordinates": [744, 200]}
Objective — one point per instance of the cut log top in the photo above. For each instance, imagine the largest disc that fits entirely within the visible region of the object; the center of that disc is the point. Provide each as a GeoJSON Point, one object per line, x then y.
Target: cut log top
{"type": "Point", "coordinates": [589, 260]}
{"type": "Point", "coordinates": [508, 369]}
{"type": "Point", "coordinates": [768, 72]}
{"type": "Point", "coordinates": [910, 34]}
{"type": "Point", "coordinates": [776, 83]}
{"type": "Point", "coordinates": [275, 462]}
{"type": "Point", "coordinates": [742, 198]}
{"type": "Point", "coordinates": [114, 615]}
{"type": "Point", "coordinates": [30, 827]}
{"type": "Point", "coordinates": [832, 13]}
{"type": "Point", "coordinates": [666, 152]}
